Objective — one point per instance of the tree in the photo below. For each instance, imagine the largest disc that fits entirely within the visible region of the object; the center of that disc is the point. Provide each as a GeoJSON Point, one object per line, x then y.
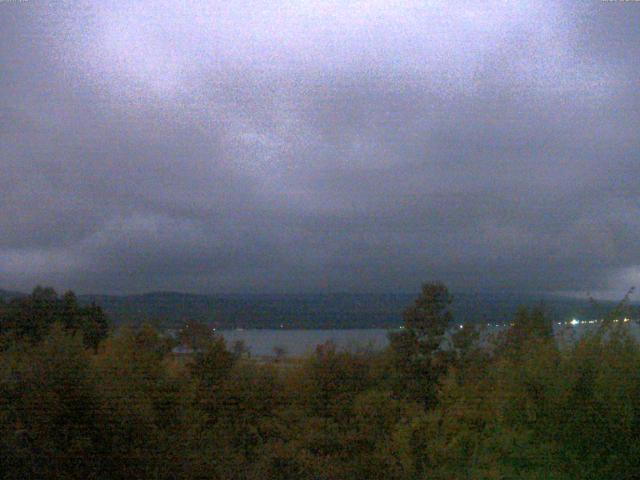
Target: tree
{"type": "Point", "coordinates": [209, 368]}
{"type": "Point", "coordinates": [94, 325]}
{"type": "Point", "coordinates": [69, 310]}
{"type": "Point", "coordinates": [280, 352]}
{"type": "Point", "coordinates": [239, 349]}
{"type": "Point", "coordinates": [430, 315]}
{"type": "Point", "coordinates": [529, 326]}
{"type": "Point", "coordinates": [48, 409]}
{"type": "Point", "coordinates": [31, 317]}
{"type": "Point", "coordinates": [415, 356]}
{"type": "Point", "coordinates": [196, 335]}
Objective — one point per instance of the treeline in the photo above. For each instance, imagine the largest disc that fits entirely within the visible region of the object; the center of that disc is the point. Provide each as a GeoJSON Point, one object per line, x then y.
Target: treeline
{"type": "Point", "coordinates": [521, 405]}
{"type": "Point", "coordinates": [31, 317]}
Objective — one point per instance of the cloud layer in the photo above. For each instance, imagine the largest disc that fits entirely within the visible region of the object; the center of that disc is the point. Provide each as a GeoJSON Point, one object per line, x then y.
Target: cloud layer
{"type": "Point", "coordinates": [319, 146]}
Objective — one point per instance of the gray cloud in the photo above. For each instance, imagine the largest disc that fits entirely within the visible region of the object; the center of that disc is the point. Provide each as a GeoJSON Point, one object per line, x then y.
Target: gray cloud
{"type": "Point", "coordinates": [319, 146]}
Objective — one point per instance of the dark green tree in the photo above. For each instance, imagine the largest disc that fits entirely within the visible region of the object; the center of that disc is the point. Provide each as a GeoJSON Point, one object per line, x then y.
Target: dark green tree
{"type": "Point", "coordinates": [196, 335]}
{"type": "Point", "coordinates": [430, 315]}
{"type": "Point", "coordinates": [416, 358]}
{"type": "Point", "coordinates": [529, 326]}
{"type": "Point", "coordinates": [31, 317]}
{"type": "Point", "coordinates": [240, 350]}
{"type": "Point", "coordinates": [94, 325]}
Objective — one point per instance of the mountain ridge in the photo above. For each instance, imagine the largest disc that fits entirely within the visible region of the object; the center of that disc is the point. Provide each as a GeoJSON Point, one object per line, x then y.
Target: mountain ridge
{"type": "Point", "coordinates": [319, 311]}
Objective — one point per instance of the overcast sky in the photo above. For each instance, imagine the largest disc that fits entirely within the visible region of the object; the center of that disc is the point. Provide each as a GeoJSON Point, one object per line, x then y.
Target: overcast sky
{"type": "Point", "coordinates": [306, 146]}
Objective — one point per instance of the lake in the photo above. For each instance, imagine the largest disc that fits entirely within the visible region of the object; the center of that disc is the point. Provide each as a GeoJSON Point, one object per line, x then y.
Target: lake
{"type": "Point", "coordinates": [301, 342]}
{"type": "Point", "coordinates": [262, 342]}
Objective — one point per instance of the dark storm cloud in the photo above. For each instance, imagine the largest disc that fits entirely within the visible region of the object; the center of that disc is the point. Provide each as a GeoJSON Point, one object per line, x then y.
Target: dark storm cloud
{"type": "Point", "coordinates": [319, 146]}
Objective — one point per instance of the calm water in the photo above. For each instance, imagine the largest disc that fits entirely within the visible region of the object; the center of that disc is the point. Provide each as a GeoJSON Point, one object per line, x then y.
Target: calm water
{"type": "Point", "coordinates": [301, 342]}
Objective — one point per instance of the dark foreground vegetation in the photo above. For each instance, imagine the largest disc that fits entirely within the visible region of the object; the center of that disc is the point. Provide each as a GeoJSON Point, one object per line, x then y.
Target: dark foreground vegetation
{"type": "Point", "coordinates": [80, 402]}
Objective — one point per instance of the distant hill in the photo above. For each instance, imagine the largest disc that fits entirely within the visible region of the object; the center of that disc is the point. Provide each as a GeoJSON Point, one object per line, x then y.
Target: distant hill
{"type": "Point", "coordinates": [7, 295]}
{"type": "Point", "coordinates": [324, 311]}
{"type": "Point", "coordinates": [170, 309]}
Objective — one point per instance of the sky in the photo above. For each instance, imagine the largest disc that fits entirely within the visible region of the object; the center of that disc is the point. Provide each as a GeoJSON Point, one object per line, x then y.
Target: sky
{"type": "Point", "coordinates": [319, 146]}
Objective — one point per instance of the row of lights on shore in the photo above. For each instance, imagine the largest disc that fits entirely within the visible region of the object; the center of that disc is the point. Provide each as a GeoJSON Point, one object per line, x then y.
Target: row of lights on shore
{"type": "Point", "coordinates": [575, 321]}
{"type": "Point", "coordinates": [572, 322]}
